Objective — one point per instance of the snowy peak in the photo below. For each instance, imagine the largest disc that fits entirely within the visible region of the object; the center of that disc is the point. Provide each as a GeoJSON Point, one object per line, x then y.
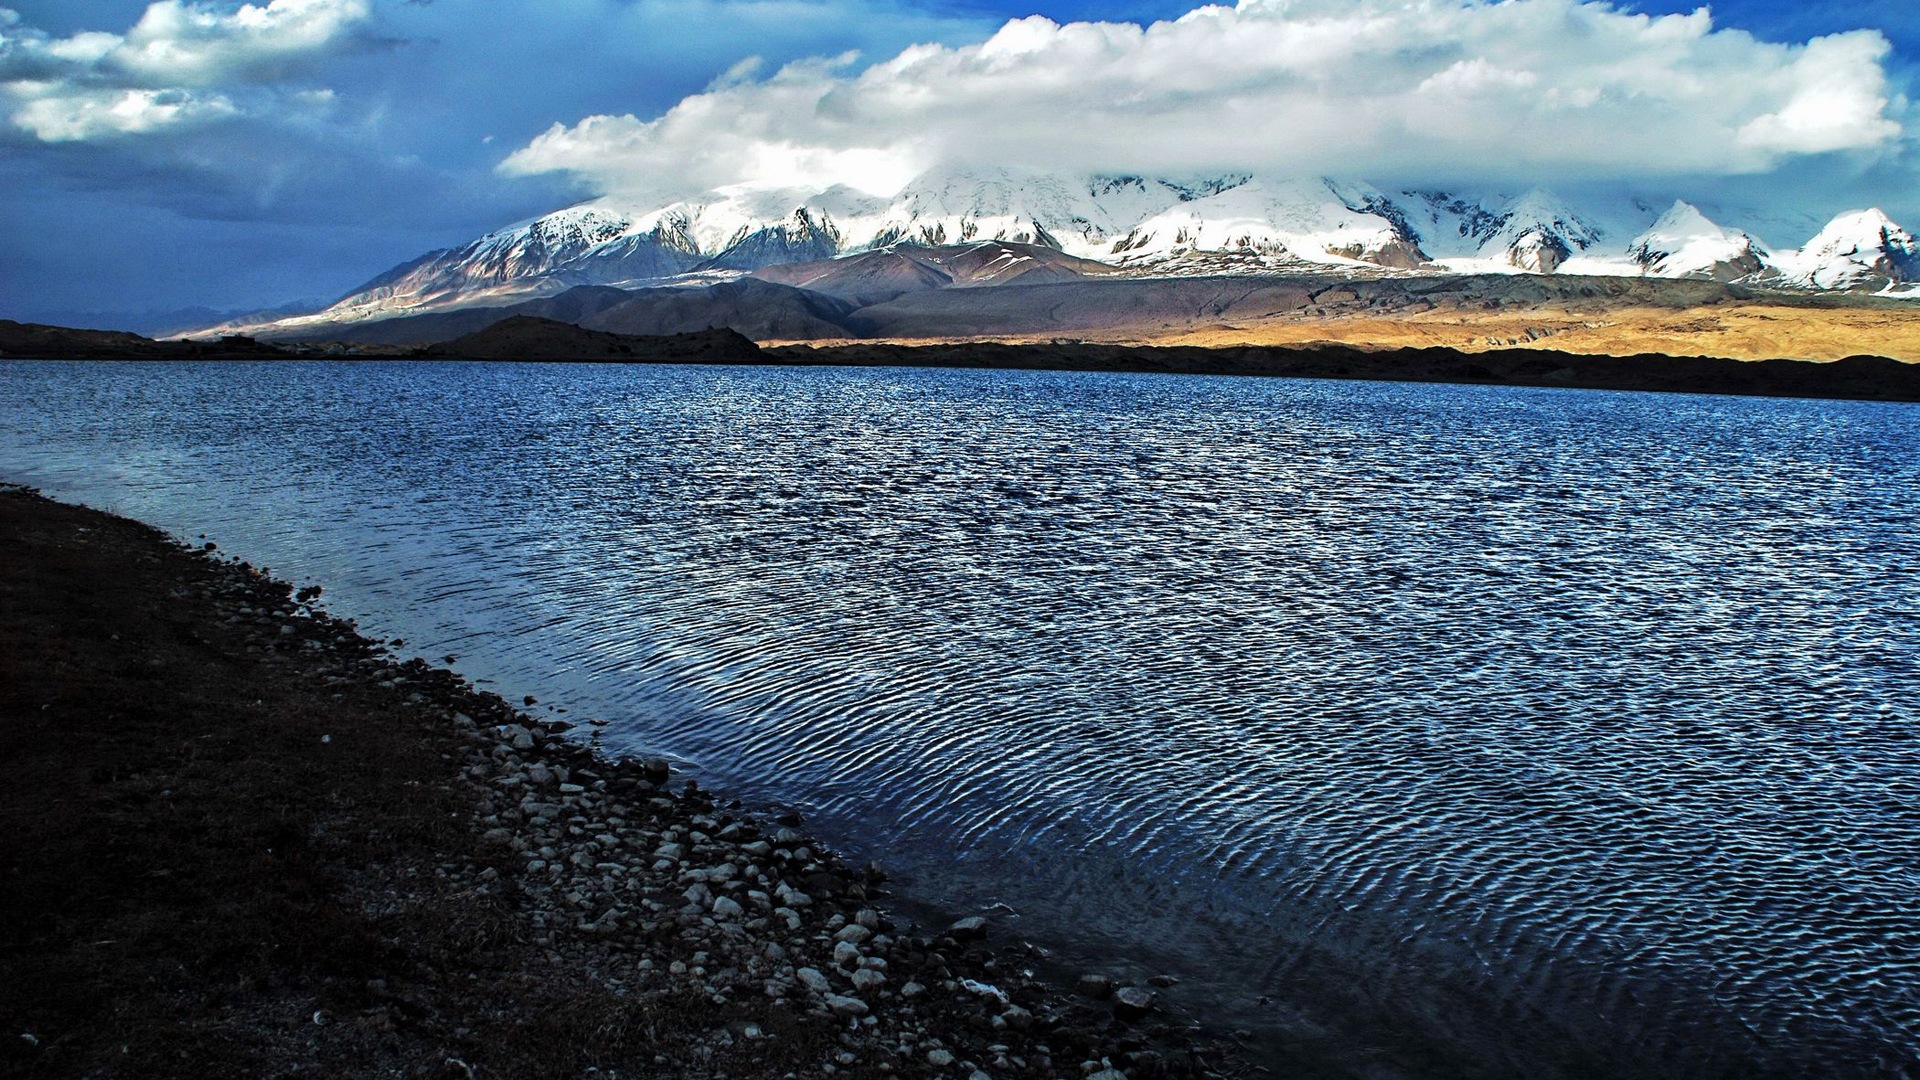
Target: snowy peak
{"type": "Point", "coordinates": [1534, 232]}
{"type": "Point", "coordinates": [989, 193]}
{"type": "Point", "coordinates": [1314, 220]}
{"type": "Point", "coordinates": [502, 261]}
{"type": "Point", "coordinates": [1129, 199]}
{"type": "Point", "coordinates": [575, 229]}
{"type": "Point", "coordinates": [1684, 243]}
{"type": "Point", "coordinates": [959, 206]}
{"type": "Point", "coordinates": [1449, 225]}
{"type": "Point", "coordinates": [1538, 232]}
{"type": "Point", "coordinates": [1683, 219]}
{"type": "Point", "coordinates": [799, 238]}
{"type": "Point", "coordinates": [1861, 249]}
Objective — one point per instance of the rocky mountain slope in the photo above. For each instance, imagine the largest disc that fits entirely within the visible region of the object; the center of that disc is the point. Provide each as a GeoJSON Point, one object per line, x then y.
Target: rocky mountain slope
{"type": "Point", "coordinates": [761, 310]}
{"type": "Point", "coordinates": [952, 292]}
{"type": "Point", "coordinates": [871, 277]}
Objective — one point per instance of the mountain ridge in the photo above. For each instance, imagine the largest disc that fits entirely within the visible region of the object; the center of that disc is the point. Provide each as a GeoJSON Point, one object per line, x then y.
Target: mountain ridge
{"type": "Point", "coordinates": [1139, 226]}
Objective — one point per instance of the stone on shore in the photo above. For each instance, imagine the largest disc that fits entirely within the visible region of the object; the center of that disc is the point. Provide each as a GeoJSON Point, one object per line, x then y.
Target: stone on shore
{"type": "Point", "coordinates": [1132, 1003]}
{"type": "Point", "coordinates": [842, 1005]}
{"type": "Point", "coordinates": [812, 979]}
{"type": "Point", "coordinates": [868, 979]}
{"type": "Point", "coordinates": [971, 928]}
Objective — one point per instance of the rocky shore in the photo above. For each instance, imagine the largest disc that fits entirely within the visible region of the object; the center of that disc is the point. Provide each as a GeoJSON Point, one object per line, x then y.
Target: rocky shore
{"type": "Point", "coordinates": [240, 839]}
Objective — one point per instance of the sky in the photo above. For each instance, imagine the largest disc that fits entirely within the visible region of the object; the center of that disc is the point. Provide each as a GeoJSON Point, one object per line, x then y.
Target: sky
{"type": "Point", "coordinates": [204, 153]}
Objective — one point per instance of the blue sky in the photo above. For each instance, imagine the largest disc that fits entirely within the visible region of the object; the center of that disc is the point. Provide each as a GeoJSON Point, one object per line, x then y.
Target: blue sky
{"type": "Point", "coordinates": [190, 152]}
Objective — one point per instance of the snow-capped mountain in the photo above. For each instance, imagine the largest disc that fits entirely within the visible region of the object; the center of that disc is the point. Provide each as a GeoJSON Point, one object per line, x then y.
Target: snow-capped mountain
{"type": "Point", "coordinates": [581, 245]}
{"type": "Point", "coordinates": [1540, 233]}
{"type": "Point", "coordinates": [1233, 223]}
{"type": "Point", "coordinates": [1315, 220]}
{"type": "Point", "coordinates": [1533, 232]}
{"type": "Point", "coordinates": [1857, 250]}
{"type": "Point", "coordinates": [1684, 243]}
{"type": "Point", "coordinates": [954, 206]}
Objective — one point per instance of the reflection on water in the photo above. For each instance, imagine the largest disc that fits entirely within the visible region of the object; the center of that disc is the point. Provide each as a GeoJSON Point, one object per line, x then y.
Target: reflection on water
{"type": "Point", "coordinates": [1492, 731]}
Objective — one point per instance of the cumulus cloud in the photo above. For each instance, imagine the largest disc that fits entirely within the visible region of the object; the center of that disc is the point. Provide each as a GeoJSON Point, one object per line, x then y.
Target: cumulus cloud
{"type": "Point", "coordinates": [74, 114]}
{"type": "Point", "coordinates": [1536, 89]}
{"type": "Point", "coordinates": [179, 65]}
{"type": "Point", "coordinates": [1829, 107]}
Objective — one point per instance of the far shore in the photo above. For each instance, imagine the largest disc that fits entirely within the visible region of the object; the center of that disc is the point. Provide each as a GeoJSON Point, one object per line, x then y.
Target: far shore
{"type": "Point", "coordinates": [532, 339]}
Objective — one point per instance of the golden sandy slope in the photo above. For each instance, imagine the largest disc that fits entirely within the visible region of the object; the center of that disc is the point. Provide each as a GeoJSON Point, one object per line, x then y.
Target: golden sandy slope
{"type": "Point", "coordinates": [1742, 332]}
{"type": "Point", "coordinates": [1581, 315]}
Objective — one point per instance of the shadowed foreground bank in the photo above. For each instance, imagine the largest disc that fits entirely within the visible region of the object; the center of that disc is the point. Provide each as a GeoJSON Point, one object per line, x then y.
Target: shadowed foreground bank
{"type": "Point", "coordinates": [239, 840]}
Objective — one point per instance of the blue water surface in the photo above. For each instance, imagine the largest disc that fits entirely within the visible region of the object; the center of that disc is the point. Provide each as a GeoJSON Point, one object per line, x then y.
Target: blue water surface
{"type": "Point", "coordinates": [1420, 730]}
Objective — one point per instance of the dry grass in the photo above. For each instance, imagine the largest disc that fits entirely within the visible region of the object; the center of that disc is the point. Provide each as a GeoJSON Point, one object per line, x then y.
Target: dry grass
{"type": "Point", "coordinates": [1745, 332]}
{"type": "Point", "coordinates": [1748, 331]}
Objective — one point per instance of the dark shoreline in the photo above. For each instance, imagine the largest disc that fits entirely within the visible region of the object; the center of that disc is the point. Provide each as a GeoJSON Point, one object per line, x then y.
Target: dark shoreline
{"type": "Point", "coordinates": [1865, 378]}
{"type": "Point", "coordinates": [524, 338]}
{"type": "Point", "coordinates": [243, 840]}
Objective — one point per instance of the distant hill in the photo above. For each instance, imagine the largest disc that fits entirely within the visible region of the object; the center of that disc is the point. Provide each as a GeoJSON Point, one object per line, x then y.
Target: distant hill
{"type": "Point", "coordinates": [41, 342]}
{"type": "Point", "coordinates": [525, 337]}
{"type": "Point", "coordinates": [519, 337]}
{"type": "Point", "coordinates": [173, 322]}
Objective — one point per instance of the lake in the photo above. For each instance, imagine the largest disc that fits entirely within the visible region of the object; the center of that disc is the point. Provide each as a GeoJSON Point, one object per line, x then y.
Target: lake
{"type": "Point", "coordinates": [1420, 730]}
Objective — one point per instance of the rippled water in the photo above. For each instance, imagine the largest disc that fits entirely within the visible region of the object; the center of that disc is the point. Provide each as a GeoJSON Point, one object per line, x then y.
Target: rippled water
{"type": "Point", "coordinates": [1490, 731]}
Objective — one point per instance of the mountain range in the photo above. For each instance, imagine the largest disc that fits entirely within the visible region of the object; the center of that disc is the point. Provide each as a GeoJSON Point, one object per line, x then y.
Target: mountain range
{"type": "Point", "coordinates": [982, 228]}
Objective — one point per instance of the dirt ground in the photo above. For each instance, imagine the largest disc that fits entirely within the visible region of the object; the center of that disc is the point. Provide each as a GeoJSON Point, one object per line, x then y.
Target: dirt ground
{"type": "Point", "coordinates": [1744, 331]}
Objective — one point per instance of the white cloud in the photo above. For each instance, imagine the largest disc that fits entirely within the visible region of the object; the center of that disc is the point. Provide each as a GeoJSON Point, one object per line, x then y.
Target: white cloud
{"type": "Point", "coordinates": [1538, 89]}
{"type": "Point", "coordinates": [1838, 100]}
{"type": "Point", "coordinates": [181, 64]}
{"type": "Point", "coordinates": [74, 115]}
{"type": "Point", "coordinates": [1477, 76]}
{"type": "Point", "coordinates": [193, 44]}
